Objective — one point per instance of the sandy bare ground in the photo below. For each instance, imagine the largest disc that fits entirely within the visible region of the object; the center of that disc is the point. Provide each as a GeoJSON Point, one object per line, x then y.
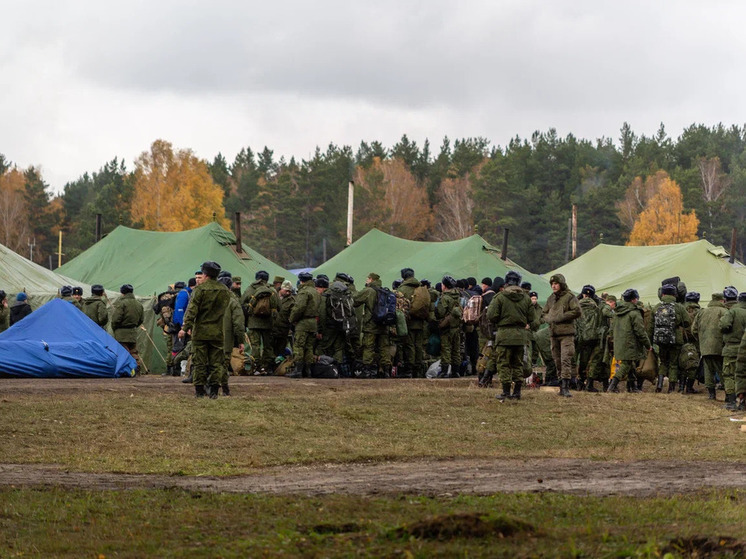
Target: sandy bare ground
{"type": "Point", "coordinates": [451, 477]}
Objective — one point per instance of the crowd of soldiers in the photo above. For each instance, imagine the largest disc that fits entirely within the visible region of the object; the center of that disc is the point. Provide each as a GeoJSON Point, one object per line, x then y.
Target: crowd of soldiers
{"type": "Point", "coordinates": [492, 328]}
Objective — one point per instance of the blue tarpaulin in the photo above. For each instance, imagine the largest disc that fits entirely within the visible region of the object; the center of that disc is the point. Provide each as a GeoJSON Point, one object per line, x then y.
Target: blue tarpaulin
{"type": "Point", "coordinates": [59, 341]}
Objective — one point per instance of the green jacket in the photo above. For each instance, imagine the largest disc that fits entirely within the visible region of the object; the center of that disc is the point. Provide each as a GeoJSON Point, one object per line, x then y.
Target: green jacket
{"type": "Point", "coordinates": [206, 311]}
{"type": "Point", "coordinates": [282, 324]}
{"type": "Point", "coordinates": [692, 309]}
{"type": "Point", "coordinates": [366, 299]}
{"type": "Point", "coordinates": [682, 318]}
{"type": "Point", "coordinates": [448, 310]}
{"type": "Point", "coordinates": [733, 325]}
{"type": "Point", "coordinates": [4, 317]}
{"type": "Point", "coordinates": [233, 325]}
{"type": "Point", "coordinates": [94, 308]}
{"type": "Point", "coordinates": [511, 312]}
{"type": "Point", "coordinates": [630, 339]}
{"type": "Point", "coordinates": [407, 289]}
{"type": "Point", "coordinates": [560, 312]}
{"type": "Point", "coordinates": [304, 314]}
{"type": "Point", "coordinates": [126, 318]}
{"type": "Point", "coordinates": [707, 328]}
{"type": "Point", "coordinates": [589, 325]}
{"type": "Point", "coordinates": [254, 322]}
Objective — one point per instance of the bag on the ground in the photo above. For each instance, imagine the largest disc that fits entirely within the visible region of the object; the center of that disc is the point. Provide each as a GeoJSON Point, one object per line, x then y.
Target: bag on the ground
{"type": "Point", "coordinates": [689, 357]}
{"type": "Point", "coordinates": [341, 308]}
{"type": "Point", "coordinates": [473, 310]}
{"type": "Point", "coordinates": [384, 309]}
{"type": "Point", "coordinates": [260, 303]}
{"type": "Point", "coordinates": [664, 327]}
{"type": "Point", "coordinates": [420, 305]}
{"type": "Point", "coordinates": [433, 371]}
{"type": "Point", "coordinates": [325, 367]}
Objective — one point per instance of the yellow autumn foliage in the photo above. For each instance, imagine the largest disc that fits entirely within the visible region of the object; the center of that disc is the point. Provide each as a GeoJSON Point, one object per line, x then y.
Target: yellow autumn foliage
{"type": "Point", "coordinates": [663, 221]}
{"type": "Point", "coordinates": [173, 191]}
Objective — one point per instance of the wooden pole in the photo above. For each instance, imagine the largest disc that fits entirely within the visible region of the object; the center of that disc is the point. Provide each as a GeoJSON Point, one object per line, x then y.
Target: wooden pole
{"type": "Point", "coordinates": [504, 253]}
{"type": "Point", "coordinates": [733, 246]}
{"type": "Point", "coordinates": [350, 207]}
{"type": "Point", "coordinates": [574, 231]}
{"type": "Point", "coordinates": [98, 227]}
{"type": "Point", "coordinates": [239, 242]}
{"type": "Point", "coordinates": [59, 251]}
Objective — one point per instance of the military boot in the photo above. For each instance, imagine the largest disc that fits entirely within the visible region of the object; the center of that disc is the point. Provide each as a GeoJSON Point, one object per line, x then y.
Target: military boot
{"type": "Point", "coordinates": [486, 380]}
{"type": "Point", "coordinates": [516, 391]}
{"type": "Point", "coordinates": [659, 386]}
{"type": "Point", "coordinates": [405, 371]}
{"type": "Point", "coordinates": [690, 387]}
{"type": "Point", "coordinates": [640, 382]}
{"type": "Point", "coordinates": [711, 393]}
{"type": "Point", "coordinates": [671, 386]}
{"type": "Point", "coordinates": [682, 385]}
{"type": "Point", "coordinates": [226, 390]}
{"type": "Point", "coordinates": [605, 384]}
{"type": "Point", "coordinates": [199, 391]}
{"type": "Point", "coordinates": [581, 383]}
{"type": "Point", "coordinates": [188, 379]}
{"type": "Point", "coordinates": [169, 371]}
{"type": "Point", "coordinates": [613, 385]}
{"type": "Point", "coordinates": [741, 402]}
{"type": "Point", "coordinates": [565, 388]}
{"type": "Point", "coordinates": [213, 391]}
{"type": "Point", "coordinates": [590, 387]}
{"type": "Point", "coordinates": [506, 392]}
{"type": "Point", "coordinates": [297, 371]}
{"type": "Point", "coordinates": [632, 386]}
{"type": "Point", "coordinates": [730, 402]}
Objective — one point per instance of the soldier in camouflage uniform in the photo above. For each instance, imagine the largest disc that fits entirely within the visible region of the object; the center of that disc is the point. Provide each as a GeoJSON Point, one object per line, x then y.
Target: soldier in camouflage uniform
{"type": "Point", "coordinates": [375, 341]}
{"type": "Point", "coordinates": [281, 325]}
{"type": "Point", "coordinates": [331, 338]}
{"type": "Point", "coordinates": [95, 307]}
{"type": "Point", "coordinates": [707, 330]}
{"type": "Point", "coordinates": [414, 343]}
{"type": "Point", "coordinates": [560, 312]}
{"type": "Point", "coordinates": [4, 311]}
{"type": "Point", "coordinates": [448, 314]}
{"type": "Point", "coordinates": [668, 353]}
{"type": "Point", "coordinates": [733, 326]}
{"type": "Point", "coordinates": [689, 357]}
{"type": "Point", "coordinates": [233, 332]}
{"type": "Point", "coordinates": [126, 318]}
{"type": "Point", "coordinates": [353, 349]}
{"type": "Point", "coordinates": [260, 325]}
{"type": "Point", "coordinates": [631, 342]}
{"type": "Point", "coordinates": [66, 294]}
{"type": "Point", "coordinates": [204, 320]}
{"type": "Point", "coordinates": [304, 317]}
{"type": "Point", "coordinates": [78, 298]}
{"type": "Point", "coordinates": [588, 334]}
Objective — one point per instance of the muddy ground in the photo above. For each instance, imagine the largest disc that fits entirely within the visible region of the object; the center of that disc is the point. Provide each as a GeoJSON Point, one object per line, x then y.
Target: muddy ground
{"type": "Point", "coordinates": [423, 477]}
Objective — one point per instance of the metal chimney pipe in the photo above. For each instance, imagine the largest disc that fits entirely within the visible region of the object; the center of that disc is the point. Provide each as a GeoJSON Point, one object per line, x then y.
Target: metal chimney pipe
{"type": "Point", "coordinates": [239, 243]}
{"type": "Point", "coordinates": [504, 253]}
{"type": "Point", "coordinates": [98, 227]}
{"type": "Point", "coordinates": [733, 246]}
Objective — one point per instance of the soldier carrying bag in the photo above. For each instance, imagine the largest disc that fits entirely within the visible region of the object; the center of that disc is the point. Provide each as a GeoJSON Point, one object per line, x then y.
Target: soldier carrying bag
{"type": "Point", "coordinates": [664, 328]}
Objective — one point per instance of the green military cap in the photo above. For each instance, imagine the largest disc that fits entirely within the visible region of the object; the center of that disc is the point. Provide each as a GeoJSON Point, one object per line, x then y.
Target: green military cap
{"type": "Point", "coordinates": [374, 276]}
{"type": "Point", "coordinates": [611, 298]}
{"type": "Point", "coordinates": [717, 296]}
{"type": "Point", "coordinates": [236, 279]}
{"type": "Point", "coordinates": [278, 279]}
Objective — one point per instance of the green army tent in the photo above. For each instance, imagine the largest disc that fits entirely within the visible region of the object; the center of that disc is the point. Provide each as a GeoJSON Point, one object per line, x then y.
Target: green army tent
{"type": "Point", "coordinates": [702, 266]}
{"type": "Point", "coordinates": [386, 255]}
{"type": "Point", "coordinates": [152, 260]}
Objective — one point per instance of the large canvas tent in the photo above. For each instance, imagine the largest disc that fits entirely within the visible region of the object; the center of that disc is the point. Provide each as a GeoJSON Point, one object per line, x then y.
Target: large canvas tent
{"type": "Point", "coordinates": [59, 341]}
{"type": "Point", "coordinates": [702, 266]}
{"type": "Point", "coordinates": [386, 255]}
{"type": "Point", "coordinates": [152, 260]}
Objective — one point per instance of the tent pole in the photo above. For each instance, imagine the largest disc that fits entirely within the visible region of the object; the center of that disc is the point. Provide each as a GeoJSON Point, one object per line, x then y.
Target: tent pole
{"type": "Point", "coordinates": [733, 246]}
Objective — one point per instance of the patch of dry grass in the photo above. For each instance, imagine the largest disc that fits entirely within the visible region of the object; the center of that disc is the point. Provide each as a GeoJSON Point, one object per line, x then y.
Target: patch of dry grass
{"type": "Point", "coordinates": [148, 430]}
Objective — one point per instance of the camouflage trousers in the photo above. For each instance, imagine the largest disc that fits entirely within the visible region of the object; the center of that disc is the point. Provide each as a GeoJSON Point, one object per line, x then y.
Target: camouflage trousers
{"type": "Point", "coordinates": [626, 370]}
{"type": "Point", "coordinates": [450, 348]}
{"type": "Point", "coordinates": [563, 351]}
{"type": "Point", "coordinates": [414, 355]}
{"type": "Point", "coordinates": [332, 343]}
{"type": "Point", "coordinates": [303, 347]}
{"type": "Point", "coordinates": [208, 358]}
{"type": "Point", "coordinates": [509, 359]}
{"type": "Point", "coordinates": [713, 366]}
{"type": "Point", "coordinates": [589, 359]}
{"type": "Point", "coordinates": [668, 356]}
{"type": "Point", "coordinates": [131, 348]}
{"type": "Point", "coordinates": [376, 347]}
{"type": "Point", "coordinates": [729, 374]}
{"type": "Point", "coordinates": [261, 349]}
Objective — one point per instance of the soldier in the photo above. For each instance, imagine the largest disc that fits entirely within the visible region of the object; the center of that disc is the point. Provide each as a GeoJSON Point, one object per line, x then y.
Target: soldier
{"type": "Point", "coordinates": [236, 286]}
{"type": "Point", "coordinates": [689, 358]}
{"type": "Point", "coordinates": [304, 317]}
{"type": "Point", "coordinates": [353, 348]}
{"type": "Point", "coordinates": [277, 283]}
{"type": "Point", "coordinates": [281, 326]}
{"type": "Point", "coordinates": [260, 303]}
{"type": "Point", "coordinates": [740, 380]}
{"type": "Point", "coordinates": [204, 321]}
{"type": "Point", "coordinates": [233, 332]}
{"type": "Point", "coordinates": [78, 298]}
{"type": "Point", "coordinates": [588, 337]}
{"type": "Point", "coordinates": [66, 293]}
{"type": "Point", "coordinates": [667, 332]}
{"type": "Point", "coordinates": [331, 337]}
{"type": "Point", "coordinates": [95, 306]}
{"type": "Point", "coordinates": [375, 342]}
{"type": "Point", "coordinates": [560, 312]}
{"type": "Point", "coordinates": [733, 326]}
{"type": "Point", "coordinates": [4, 311]}
{"type": "Point", "coordinates": [707, 329]}
{"type": "Point", "coordinates": [514, 317]}
{"type": "Point", "coordinates": [126, 318]}
{"type": "Point", "coordinates": [448, 314]}
{"type": "Point", "coordinates": [603, 369]}
{"type": "Point", "coordinates": [631, 342]}
{"type": "Point", "coordinates": [414, 342]}
{"type": "Point", "coordinates": [20, 308]}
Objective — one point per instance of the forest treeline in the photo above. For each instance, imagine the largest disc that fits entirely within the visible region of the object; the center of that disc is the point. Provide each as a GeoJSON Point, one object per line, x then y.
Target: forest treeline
{"type": "Point", "coordinates": [637, 190]}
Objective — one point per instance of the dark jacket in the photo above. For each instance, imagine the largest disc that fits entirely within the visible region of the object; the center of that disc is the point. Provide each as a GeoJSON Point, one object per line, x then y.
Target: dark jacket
{"type": "Point", "coordinates": [630, 339]}
{"type": "Point", "coordinates": [4, 317]}
{"type": "Point", "coordinates": [19, 310]}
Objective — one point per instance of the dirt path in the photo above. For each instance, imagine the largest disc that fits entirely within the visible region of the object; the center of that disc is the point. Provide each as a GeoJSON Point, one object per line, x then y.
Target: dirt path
{"type": "Point", "coordinates": [580, 477]}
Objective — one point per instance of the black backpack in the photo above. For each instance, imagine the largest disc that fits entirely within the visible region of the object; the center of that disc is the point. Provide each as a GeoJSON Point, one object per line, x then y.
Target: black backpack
{"type": "Point", "coordinates": [664, 326]}
{"type": "Point", "coordinates": [384, 309]}
{"type": "Point", "coordinates": [340, 308]}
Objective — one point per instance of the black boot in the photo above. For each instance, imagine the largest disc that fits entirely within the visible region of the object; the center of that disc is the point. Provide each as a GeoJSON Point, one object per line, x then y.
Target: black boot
{"type": "Point", "coordinates": [711, 393]}
{"type": "Point", "coordinates": [613, 385]}
{"type": "Point", "coordinates": [169, 371]}
{"type": "Point", "coordinates": [199, 391]}
{"type": "Point", "coordinates": [690, 387]}
{"type": "Point", "coordinates": [297, 371]}
{"type": "Point", "coordinates": [730, 402]}
{"type": "Point", "coordinates": [682, 386]}
{"type": "Point", "coordinates": [659, 386]}
{"type": "Point", "coordinates": [405, 371]}
{"type": "Point", "coordinates": [516, 391]}
{"type": "Point", "coordinates": [565, 388]}
{"type": "Point", "coordinates": [605, 384]}
{"type": "Point", "coordinates": [213, 391]}
{"type": "Point", "coordinates": [640, 382]}
{"type": "Point", "coordinates": [226, 390]}
{"type": "Point", "coordinates": [188, 379]}
{"type": "Point", "coordinates": [486, 380]}
{"type": "Point", "coordinates": [506, 392]}
{"type": "Point", "coordinates": [581, 384]}
{"type": "Point", "coordinates": [671, 386]}
{"type": "Point", "coordinates": [590, 387]}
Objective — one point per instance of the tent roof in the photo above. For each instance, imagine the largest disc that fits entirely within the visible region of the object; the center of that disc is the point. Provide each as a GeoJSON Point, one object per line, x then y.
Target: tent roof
{"type": "Point", "coordinates": [386, 255]}
{"type": "Point", "coordinates": [702, 266]}
{"type": "Point", "coordinates": [60, 341]}
{"type": "Point", "coordinates": [152, 260]}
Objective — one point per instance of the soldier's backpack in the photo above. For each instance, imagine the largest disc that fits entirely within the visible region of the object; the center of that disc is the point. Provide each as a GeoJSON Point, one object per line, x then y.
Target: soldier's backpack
{"type": "Point", "coordinates": [664, 325]}
{"type": "Point", "coordinates": [340, 308]}
{"type": "Point", "coordinates": [420, 305]}
{"type": "Point", "coordinates": [384, 309]}
{"type": "Point", "coordinates": [588, 327]}
{"type": "Point", "coordinates": [473, 310]}
{"type": "Point", "coordinates": [164, 307]}
{"type": "Point", "coordinates": [689, 357]}
{"type": "Point", "coordinates": [260, 303]}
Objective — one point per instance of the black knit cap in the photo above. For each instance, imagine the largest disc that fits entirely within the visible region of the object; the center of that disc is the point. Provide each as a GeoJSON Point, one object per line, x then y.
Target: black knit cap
{"type": "Point", "coordinates": [66, 291]}
{"type": "Point", "coordinates": [449, 282]}
{"type": "Point", "coordinates": [97, 289]}
{"type": "Point", "coordinates": [262, 275]}
{"type": "Point", "coordinates": [630, 294]}
{"type": "Point", "coordinates": [321, 281]}
{"type": "Point", "coordinates": [425, 283]}
{"type": "Point", "coordinates": [407, 273]}
{"type": "Point", "coordinates": [126, 288]}
{"type": "Point", "coordinates": [487, 282]}
{"type": "Point", "coordinates": [304, 276]}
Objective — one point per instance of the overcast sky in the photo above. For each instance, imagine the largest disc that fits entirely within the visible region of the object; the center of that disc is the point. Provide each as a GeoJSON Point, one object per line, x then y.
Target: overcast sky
{"type": "Point", "coordinates": [85, 81]}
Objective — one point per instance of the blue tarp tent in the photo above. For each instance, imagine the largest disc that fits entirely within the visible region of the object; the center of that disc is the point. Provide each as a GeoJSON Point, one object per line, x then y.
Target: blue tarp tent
{"type": "Point", "coordinates": [59, 341]}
